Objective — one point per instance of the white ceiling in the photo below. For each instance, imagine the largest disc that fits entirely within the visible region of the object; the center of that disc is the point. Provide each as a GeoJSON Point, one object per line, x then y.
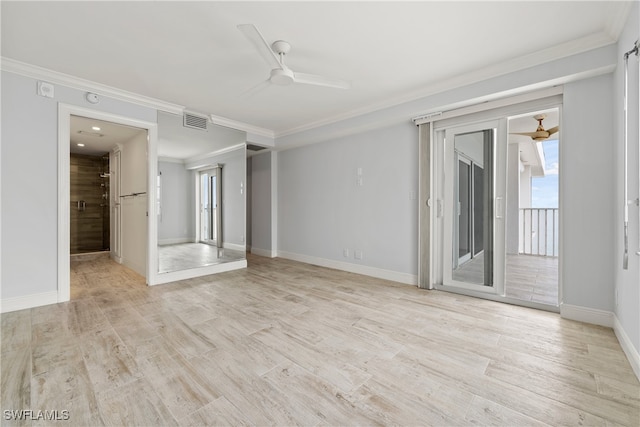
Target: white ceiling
{"type": "Point", "coordinates": [98, 141]}
{"type": "Point", "coordinates": [192, 54]}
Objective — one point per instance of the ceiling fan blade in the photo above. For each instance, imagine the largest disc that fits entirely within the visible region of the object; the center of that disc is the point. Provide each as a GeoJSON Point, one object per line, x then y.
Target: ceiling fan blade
{"type": "Point", "coordinates": [312, 79]}
{"type": "Point", "coordinates": [254, 89]}
{"type": "Point", "coordinates": [553, 130]}
{"type": "Point", "coordinates": [254, 36]}
{"type": "Point", "coordinates": [530, 134]}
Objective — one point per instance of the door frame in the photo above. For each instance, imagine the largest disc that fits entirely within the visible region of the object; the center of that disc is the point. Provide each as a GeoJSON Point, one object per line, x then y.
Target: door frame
{"type": "Point", "coordinates": [429, 262]}
{"type": "Point", "coordinates": [65, 111]}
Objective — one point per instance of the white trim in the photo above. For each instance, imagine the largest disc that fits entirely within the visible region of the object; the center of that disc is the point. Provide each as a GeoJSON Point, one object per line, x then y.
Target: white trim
{"type": "Point", "coordinates": [481, 105]}
{"type": "Point", "coordinates": [174, 276]}
{"type": "Point", "coordinates": [170, 160]}
{"type": "Point", "coordinates": [176, 241]}
{"type": "Point", "coordinates": [28, 301]}
{"type": "Point", "coordinates": [554, 53]}
{"type": "Point", "coordinates": [627, 346]}
{"type": "Point", "coordinates": [587, 315]}
{"type": "Point", "coordinates": [65, 111]}
{"type": "Point", "coordinates": [409, 279]}
{"type": "Point", "coordinates": [234, 124]}
{"type": "Point", "coordinates": [40, 73]}
{"type": "Point", "coordinates": [234, 246]}
{"type": "Point", "coordinates": [263, 252]}
{"type": "Point", "coordinates": [194, 159]}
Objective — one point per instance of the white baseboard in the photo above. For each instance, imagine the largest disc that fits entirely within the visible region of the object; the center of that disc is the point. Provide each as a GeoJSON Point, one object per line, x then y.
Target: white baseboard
{"type": "Point", "coordinates": [175, 241]}
{"type": "Point", "coordinates": [587, 315]}
{"type": "Point", "coordinates": [28, 301]}
{"type": "Point", "coordinates": [174, 276]}
{"type": "Point", "coordinates": [409, 279]}
{"type": "Point", "coordinates": [234, 246]}
{"type": "Point", "coordinates": [263, 252]}
{"type": "Point", "coordinates": [627, 346]}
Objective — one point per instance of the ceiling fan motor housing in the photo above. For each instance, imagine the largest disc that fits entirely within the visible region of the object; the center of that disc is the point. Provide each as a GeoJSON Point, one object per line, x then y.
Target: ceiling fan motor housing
{"type": "Point", "coordinates": [282, 77]}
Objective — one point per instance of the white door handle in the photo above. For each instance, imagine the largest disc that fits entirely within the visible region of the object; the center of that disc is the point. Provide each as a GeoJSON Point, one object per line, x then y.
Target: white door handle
{"type": "Point", "coordinates": [499, 207]}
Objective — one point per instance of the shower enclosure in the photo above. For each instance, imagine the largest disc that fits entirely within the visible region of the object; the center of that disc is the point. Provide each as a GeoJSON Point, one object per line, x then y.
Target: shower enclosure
{"type": "Point", "coordinates": [89, 203]}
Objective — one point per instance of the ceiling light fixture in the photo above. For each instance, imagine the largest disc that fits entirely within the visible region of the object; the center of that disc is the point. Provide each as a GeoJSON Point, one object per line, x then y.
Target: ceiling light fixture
{"type": "Point", "coordinates": [80, 145]}
{"type": "Point", "coordinates": [95, 128]}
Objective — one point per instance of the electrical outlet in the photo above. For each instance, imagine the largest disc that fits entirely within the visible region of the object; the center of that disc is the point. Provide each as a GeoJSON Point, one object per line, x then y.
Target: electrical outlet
{"type": "Point", "coordinates": [358, 254]}
{"type": "Point", "coordinates": [345, 253]}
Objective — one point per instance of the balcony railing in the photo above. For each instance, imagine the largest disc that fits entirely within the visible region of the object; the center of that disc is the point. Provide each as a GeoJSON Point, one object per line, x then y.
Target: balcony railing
{"type": "Point", "coordinates": [539, 231]}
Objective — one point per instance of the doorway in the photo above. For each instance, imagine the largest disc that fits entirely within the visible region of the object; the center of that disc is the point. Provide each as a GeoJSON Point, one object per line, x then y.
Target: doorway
{"type": "Point", "coordinates": [495, 234]}
{"type": "Point", "coordinates": [533, 212]}
{"type": "Point", "coordinates": [90, 213]}
{"type": "Point", "coordinates": [210, 199]}
{"type": "Point", "coordinates": [128, 226]}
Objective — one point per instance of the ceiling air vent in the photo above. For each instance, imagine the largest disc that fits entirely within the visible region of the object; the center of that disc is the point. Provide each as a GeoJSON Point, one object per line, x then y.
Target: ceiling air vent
{"type": "Point", "coordinates": [194, 122]}
{"type": "Point", "coordinates": [252, 147]}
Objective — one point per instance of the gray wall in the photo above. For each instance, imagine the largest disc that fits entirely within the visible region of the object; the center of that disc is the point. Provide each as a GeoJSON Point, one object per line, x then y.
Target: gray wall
{"type": "Point", "coordinates": [322, 210]}
{"type": "Point", "coordinates": [29, 180]}
{"type": "Point", "coordinates": [177, 222]}
{"type": "Point", "coordinates": [261, 199]}
{"type": "Point", "coordinates": [586, 165]}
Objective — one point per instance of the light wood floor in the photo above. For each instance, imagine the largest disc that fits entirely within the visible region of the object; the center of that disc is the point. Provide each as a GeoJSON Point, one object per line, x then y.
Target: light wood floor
{"type": "Point", "coordinates": [532, 278]}
{"type": "Point", "coordinates": [183, 256]}
{"type": "Point", "coordinates": [284, 343]}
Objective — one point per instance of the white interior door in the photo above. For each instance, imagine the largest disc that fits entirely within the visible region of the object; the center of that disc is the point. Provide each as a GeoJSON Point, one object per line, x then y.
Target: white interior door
{"type": "Point", "coordinates": [471, 170]}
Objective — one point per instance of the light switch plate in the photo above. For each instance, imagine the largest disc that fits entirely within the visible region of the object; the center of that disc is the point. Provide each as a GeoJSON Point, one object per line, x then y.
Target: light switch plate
{"type": "Point", "coordinates": [45, 89]}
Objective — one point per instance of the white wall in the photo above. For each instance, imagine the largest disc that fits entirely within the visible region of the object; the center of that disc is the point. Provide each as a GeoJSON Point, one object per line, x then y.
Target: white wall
{"type": "Point", "coordinates": [133, 178]}
{"type": "Point", "coordinates": [29, 181]}
{"type": "Point", "coordinates": [177, 222]}
{"type": "Point", "coordinates": [627, 282]}
{"type": "Point", "coordinates": [322, 210]}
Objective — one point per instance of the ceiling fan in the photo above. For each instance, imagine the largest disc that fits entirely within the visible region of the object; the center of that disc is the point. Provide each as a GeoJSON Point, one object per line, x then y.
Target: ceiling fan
{"type": "Point", "coordinates": [280, 73]}
{"type": "Point", "coordinates": [540, 134]}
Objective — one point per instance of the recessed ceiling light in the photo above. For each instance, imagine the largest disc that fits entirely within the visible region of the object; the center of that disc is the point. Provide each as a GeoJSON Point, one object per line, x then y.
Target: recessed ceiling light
{"type": "Point", "coordinates": [80, 145]}
{"type": "Point", "coordinates": [95, 128]}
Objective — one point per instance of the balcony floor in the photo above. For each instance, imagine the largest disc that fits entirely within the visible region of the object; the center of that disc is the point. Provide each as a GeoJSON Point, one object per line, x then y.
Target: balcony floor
{"type": "Point", "coordinates": [529, 277]}
{"type": "Point", "coordinates": [532, 278]}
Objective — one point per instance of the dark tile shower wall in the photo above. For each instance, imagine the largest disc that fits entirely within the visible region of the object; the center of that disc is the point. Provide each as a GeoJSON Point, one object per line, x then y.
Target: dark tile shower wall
{"type": "Point", "coordinates": [89, 225]}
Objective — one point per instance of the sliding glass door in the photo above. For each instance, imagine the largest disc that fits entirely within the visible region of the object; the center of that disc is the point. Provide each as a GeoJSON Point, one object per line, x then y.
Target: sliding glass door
{"type": "Point", "coordinates": [210, 208]}
{"type": "Point", "coordinates": [471, 175]}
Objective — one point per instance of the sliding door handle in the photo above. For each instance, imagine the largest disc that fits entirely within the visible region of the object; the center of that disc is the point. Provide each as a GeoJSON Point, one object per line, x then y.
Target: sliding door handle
{"type": "Point", "coordinates": [499, 207]}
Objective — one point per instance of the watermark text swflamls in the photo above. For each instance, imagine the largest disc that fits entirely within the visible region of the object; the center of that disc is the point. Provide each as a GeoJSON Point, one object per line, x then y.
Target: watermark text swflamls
{"type": "Point", "coordinates": [33, 415]}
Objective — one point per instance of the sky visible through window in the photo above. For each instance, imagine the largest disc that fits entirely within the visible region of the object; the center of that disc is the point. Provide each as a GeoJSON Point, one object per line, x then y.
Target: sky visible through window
{"type": "Point", "coordinates": [544, 190]}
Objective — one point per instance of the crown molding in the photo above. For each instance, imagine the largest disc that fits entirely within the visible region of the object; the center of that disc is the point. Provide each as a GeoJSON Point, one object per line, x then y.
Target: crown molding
{"type": "Point", "coordinates": [234, 124]}
{"type": "Point", "coordinates": [199, 157]}
{"type": "Point", "coordinates": [574, 47]}
{"type": "Point", "coordinates": [616, 22]}
{"type": "Point", "coordinates": [40, 73]}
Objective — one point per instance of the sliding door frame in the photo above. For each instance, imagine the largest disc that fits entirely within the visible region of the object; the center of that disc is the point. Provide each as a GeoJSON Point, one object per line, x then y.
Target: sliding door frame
{"type": "Point", "coordinates": [431, 206]}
